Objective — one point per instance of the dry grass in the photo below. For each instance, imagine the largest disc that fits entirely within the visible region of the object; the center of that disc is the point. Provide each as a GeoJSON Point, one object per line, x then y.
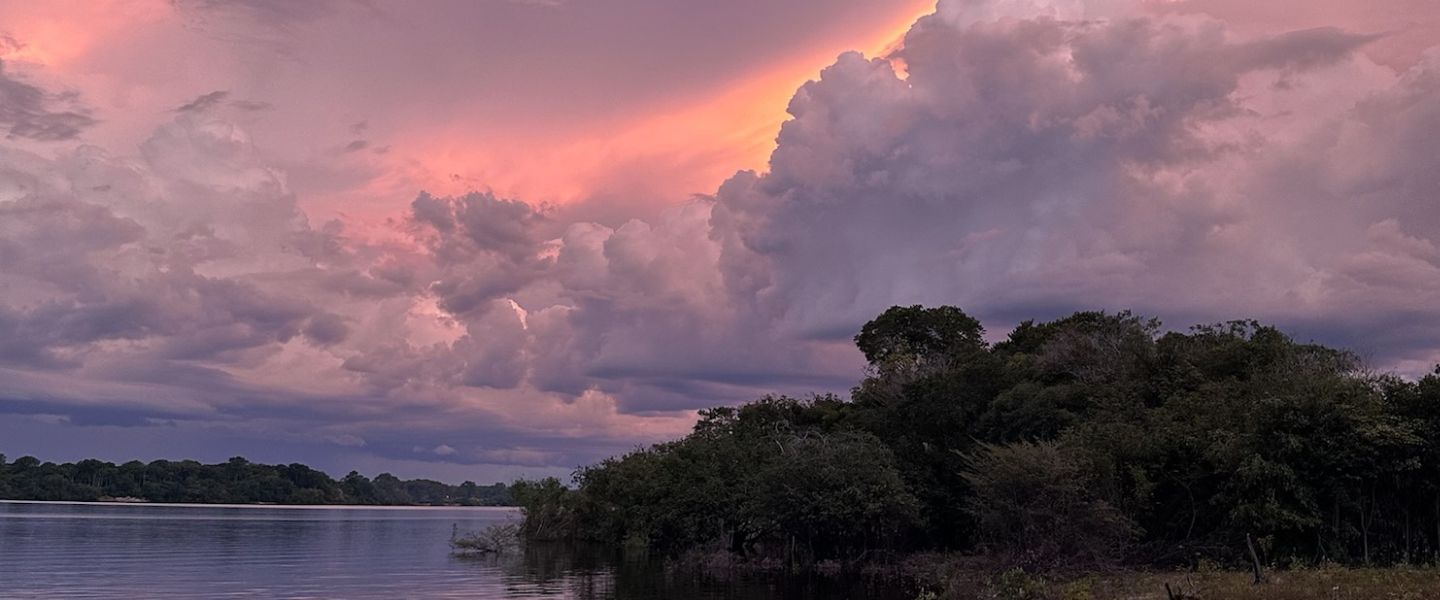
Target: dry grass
{"type": "Point", "coordinates": [1332, 583]}
{"type": "Point", "coordinates": [1326, 583]}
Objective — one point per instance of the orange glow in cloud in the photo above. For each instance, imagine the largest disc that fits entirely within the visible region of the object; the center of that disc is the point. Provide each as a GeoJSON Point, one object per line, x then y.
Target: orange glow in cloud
{"type": "Point", "coordinates": [46, 42]}
{"type": "Point", "coordinates": [671, 154]}
{"type": "Point", "coordinates": [48, 34]}
{"type": "Point", "coordinates": [650, 156]}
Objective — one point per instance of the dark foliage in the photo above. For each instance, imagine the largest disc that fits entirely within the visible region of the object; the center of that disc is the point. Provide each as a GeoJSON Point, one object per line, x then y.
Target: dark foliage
{"type": "Point", "coordinates": [1092, 438]}
{"type": "Point", "coordinates": [237, 481]}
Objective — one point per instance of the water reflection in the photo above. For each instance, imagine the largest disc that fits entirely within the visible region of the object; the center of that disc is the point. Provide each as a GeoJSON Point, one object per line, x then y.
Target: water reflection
{"type": "Point", "coordinates": [591, 573]}
{"type": "Point", "coordinates": [114, 552]}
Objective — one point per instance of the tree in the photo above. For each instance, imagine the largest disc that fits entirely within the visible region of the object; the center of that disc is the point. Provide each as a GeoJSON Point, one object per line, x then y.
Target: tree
{"type": "Point", "coordinates": [915, 339]}
{"type": "Point", "coordinates": [1070, 440]}
{"type": "Point", "coordinates": [236, 480]}
{"type": "Point", "coordinates": [549, 508]}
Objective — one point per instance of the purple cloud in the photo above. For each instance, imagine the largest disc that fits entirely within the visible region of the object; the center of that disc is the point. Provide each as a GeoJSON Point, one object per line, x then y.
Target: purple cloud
{"type": "Point", "coordinates": [1019, 159]}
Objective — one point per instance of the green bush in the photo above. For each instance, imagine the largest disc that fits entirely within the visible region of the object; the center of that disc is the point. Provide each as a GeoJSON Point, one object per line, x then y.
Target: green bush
{"type": "Point", "coordinates": [1038, 503]}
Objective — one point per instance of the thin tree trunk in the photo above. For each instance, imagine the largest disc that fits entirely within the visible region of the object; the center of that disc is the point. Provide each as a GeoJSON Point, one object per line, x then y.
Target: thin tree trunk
{"type": "Point", "coordinates": [1254, 560]}
{"type": "Point", "coordinates": [1365, 537]}
{"type": "Point", "coordinates": [1365, 525]}
{"type": "Point", "coordinates": [1194, 514]}
{"type": "Point", "coordinates": [1407, 534]}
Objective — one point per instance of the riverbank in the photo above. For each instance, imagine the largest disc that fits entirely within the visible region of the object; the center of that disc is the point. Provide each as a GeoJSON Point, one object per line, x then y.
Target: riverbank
{"type": "Point", "coordinates": [1321, 583]}
{"type": "Point", "coordinates": [931, 576]}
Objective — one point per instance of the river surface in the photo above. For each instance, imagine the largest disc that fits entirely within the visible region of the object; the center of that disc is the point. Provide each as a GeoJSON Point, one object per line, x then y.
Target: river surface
{"type": "Point", "coordinates": [116, 551]}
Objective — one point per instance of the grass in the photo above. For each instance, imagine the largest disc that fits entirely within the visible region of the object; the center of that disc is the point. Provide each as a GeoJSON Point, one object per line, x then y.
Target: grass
{"type": "Point", "coordinates": [939, 576]}
{"type": "Point", "coordinates": [1331, 583]}
{"type": "Point", "coordinates": [1323, 583]}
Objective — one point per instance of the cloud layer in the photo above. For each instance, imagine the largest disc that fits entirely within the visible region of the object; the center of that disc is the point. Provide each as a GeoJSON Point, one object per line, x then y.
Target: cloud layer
{"type": "Point", "coordinates": [1019, 159]}
{"type": "Point", "coordinates": [29, 112]}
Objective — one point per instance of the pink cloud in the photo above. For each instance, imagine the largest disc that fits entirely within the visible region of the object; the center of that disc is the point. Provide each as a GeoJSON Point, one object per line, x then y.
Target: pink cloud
{"type": "Point", "coordinates": [1191, 160]}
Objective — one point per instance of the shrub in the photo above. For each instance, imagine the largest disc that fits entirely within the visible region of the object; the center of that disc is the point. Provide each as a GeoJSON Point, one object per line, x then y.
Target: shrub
{"type": "Point", "coordinates": [1036, 502]}
{"type": "Point", "coordinates": [495, 539]}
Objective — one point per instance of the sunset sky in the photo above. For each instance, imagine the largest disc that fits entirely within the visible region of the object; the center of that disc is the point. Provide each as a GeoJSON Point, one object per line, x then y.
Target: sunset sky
{"type": "Point", "coordinates": [482, 239]}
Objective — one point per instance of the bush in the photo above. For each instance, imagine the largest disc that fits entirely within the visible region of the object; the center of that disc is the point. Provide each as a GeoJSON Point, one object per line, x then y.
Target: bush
{"type": "Point", "coordinates": [1036, 502]}
{"type": "Point", "coordinates": [495, 539]}
{"type": "Point", "coordinates": [549, 509]}
{"type": "Point", "coordinates": [839, 495]}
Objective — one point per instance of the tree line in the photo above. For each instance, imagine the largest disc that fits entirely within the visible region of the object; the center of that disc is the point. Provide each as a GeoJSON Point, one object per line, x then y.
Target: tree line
{"type": "Point", "coordinates": [1096, 438]}
{"type": "Point", "coordinates": [236, 481]}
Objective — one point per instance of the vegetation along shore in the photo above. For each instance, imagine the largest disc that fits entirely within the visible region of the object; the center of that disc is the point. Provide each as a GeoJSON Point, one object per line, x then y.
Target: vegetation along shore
{"type": "Point", "coordinates": [237, 481]}
{"type": "Point", "coordinates": [1097, 443]}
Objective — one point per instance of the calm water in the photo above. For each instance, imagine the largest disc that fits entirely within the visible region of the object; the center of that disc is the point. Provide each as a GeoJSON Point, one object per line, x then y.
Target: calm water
{"type": "Point", "coordinates": [175, 551]}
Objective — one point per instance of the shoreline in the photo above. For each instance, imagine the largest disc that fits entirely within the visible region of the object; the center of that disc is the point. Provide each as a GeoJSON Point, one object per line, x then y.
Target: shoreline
{"type": "Point", "coordinates": [280, 506]}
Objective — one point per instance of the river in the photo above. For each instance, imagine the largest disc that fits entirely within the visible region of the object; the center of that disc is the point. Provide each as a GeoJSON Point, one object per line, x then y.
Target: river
{"type": "Point", "coordinates": [131, 551]}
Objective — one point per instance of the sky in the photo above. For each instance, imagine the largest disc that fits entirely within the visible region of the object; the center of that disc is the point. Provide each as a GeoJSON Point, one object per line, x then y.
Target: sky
{"type": "Point", "coordinates": [489, 239]}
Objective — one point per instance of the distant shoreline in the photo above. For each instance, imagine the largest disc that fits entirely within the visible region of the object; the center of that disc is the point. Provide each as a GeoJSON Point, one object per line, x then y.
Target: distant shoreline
{"type": "Point", "coordinates": [281, 506]}
{"type": "Point", "coordinates": [236, 481]}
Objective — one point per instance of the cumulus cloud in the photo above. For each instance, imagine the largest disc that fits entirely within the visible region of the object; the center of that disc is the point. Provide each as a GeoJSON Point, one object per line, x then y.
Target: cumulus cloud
{"type": "Point", "coordinates": [1034, 159]}
{"type": "Point", "coordinates": [1020, 165]}
{"type": "Point", "coordinates": [184, 286]}
{"type": "Point", "coordinates": [131, 270]}
{"type": "Point", "coordinates": [1033, 166]}
{"type": "Point", "coordinates": [1017, 158]}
